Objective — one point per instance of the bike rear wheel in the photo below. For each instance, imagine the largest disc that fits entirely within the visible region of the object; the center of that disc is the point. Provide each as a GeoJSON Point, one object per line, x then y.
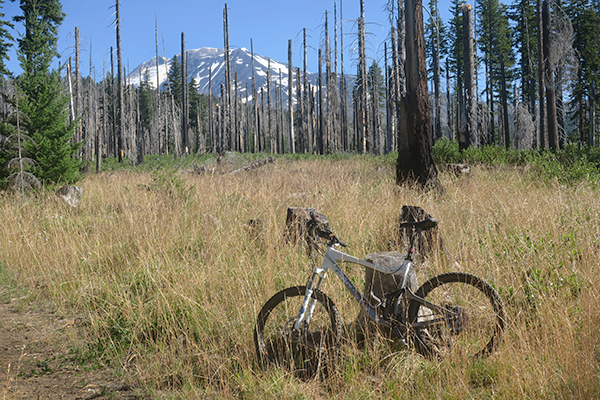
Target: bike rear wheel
{"type": "Point", "coordinates": [468, 323]}
{"type": "Point", "coordinates": [308, 352]}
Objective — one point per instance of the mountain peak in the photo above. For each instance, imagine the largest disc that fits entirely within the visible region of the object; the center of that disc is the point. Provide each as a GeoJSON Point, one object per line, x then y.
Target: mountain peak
{"type": "Point", "coordinates": [208, 62]}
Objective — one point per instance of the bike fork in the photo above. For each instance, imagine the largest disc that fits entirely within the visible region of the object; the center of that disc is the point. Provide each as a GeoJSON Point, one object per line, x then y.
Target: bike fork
{"type": "Point", "coordinates": [309, 303]}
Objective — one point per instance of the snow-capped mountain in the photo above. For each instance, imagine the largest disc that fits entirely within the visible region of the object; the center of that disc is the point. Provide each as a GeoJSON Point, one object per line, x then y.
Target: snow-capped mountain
{"type": "Point", "coordinates": [203, 60]}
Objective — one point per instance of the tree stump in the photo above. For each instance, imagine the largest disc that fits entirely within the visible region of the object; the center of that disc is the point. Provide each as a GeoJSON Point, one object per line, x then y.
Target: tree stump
{"type": "Point", "coordinates": [426, 242]}
{"type": "Point", "coordinates": [296, 231]}
{"type": "Point", "coordinates": [458, 169]}
{"type": "Point", "coordinates": [377, 284]}
{"type": "Point", "coordinates": [72, 195]}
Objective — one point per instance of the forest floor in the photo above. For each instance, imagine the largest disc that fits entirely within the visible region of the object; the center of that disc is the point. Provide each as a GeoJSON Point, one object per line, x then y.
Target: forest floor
{"type": "Point", "coordinates": [37, 360]}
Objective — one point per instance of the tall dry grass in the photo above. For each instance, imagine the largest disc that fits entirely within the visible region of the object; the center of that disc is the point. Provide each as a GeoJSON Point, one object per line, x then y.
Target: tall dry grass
{"type": "Point", "coordinates": [170, 278]}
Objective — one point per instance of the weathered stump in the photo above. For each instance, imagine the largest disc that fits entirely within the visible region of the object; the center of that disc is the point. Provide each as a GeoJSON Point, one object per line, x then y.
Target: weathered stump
{"type": "Point", "coordinates": [458, 169]}
{"type": "Point", "coordinates": [72, 195]}
{"type": "Point", "coordinates": [296, 230]}
{"type": "Point", "coordinates": [256, 228]}
{"type": "Point", "coordinates": [425, 242]}
{"type": "Point", "coordinates": [378, 285]}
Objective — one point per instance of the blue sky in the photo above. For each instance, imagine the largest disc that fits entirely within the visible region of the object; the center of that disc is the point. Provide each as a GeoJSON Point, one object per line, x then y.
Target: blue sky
{"type": "Point", "coordinates": [269, 23]}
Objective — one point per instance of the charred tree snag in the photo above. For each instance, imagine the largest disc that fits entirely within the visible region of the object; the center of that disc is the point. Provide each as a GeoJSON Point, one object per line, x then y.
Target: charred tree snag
{"type": "Point", "coordinates": [549, 79]}
{"type": "Point", "coordinates": [415, 159]}
{"type": "Point", "coordinates": [121, 106]}
{"type": "Point", "coordinates": [470, 138]}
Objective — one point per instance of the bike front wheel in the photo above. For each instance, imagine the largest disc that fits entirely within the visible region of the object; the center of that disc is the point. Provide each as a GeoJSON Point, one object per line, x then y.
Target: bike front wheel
{"type": "Point", "coordinates": [307, 352]}
{"type": "Point", "coordinates": [464, 317]}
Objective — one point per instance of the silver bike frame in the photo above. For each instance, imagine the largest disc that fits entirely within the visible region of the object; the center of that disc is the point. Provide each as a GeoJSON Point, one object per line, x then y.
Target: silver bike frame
{"type": "Point", "coordinates": [332, 256]}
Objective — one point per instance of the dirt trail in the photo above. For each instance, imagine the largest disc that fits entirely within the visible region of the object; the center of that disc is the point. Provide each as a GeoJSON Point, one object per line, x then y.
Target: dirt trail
{"type": "Point", "coordinates": [36, 361]}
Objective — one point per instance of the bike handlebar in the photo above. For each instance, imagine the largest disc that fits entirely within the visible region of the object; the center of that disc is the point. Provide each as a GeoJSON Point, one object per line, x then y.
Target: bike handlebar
{"type": "Point", "coordinates": [335, 240]}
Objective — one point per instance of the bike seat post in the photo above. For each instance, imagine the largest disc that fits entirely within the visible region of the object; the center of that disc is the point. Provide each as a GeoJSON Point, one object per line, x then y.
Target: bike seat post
{"type": "Point", "coordinates": [411, 246]}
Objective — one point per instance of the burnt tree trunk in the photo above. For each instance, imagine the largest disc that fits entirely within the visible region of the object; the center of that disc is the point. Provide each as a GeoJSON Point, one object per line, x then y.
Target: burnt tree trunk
{"type": "Point", "coordinates": [120, 106]}
{"type": "Point", "coordinates": [549, 81]}
{"type": "Point", "coordinates": [542, 121]}
{"type": "Point", "coordinates": [415, 159]}
{"type": "Point", "coordinates": [228, 131]}
{"type": "Point", "coordinates": [184, 97]}
{"type": "Point", "coordinates": [504, 103]}
{"type": "Point", "coordinates": [361, 108]}
{"type": "Point", "coordinates": [469, 62]}
{"type": "Point", "coordinates": [291, 98]}
{"type": "Point", "coordinates": [437, 127]}
{"type": "Point", "coordinates": [256, 137]}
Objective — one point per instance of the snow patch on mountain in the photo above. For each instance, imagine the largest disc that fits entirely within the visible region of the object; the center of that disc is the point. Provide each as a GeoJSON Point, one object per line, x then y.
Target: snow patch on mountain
{"type": "Point", "coordinates": [209, 62]}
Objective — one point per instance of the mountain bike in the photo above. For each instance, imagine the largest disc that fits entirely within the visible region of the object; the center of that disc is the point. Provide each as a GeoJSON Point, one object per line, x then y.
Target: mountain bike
{"type": "Point", "coordinates": [454, 314]}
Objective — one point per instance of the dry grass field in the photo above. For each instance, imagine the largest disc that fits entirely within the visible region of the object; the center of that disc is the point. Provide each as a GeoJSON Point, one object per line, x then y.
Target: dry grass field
{"type": "Point", "coordinates": [168, 278]}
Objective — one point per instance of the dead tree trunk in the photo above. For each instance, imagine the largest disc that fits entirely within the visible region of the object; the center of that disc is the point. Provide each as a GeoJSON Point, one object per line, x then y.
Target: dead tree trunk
{"type": "Point", "coordinates": [361, 108]}
{"type": "Point", "coordinates": [77, 94]}
{"type": "Point", "coordinates": [395, 87]}
{"type": "Point", "coordinates": [272, 145]}
{"type": "Point", "coordinates": [592, 101]}
{"type": "Point", "coordinates": [343, 90]}
{"type": "Point", "coordinates": [227, 101]}
{"type": "Point", "coordinates": [300, 112]}
{"type": "Point", "coordinates": [504, 104]}
{"type": "Point", "coordinates": [470, 101]}
{"type": "Point", "coordinates": [542, 121]}
{"type": "Point", "coordinates": [211, 132]}
{"type": "Point", "coordinates": [549, 81]}
{"type": "Point", "coordinates": [291, 98]}
{"type": "Point", "coordinates": [307, 119]}
{"type": "Point", "coordinates": [321, 129]}
{"type": "Point", "coordinates": [415, 159]}
{"type": "Point", "coordinates": [184, 96]}
{"type": "Point", "coordinates": [120, 87]}
{"type": "Point", "coordinates": [256, 137]}
{"type": "Point", "coordinates": [401, 48]}
{"type": "Point", "coordinates": [388, 102]}
{"type": "Point", "coordinates": [437, 127]}
{"type": "Point", "coordinates": [159, 136]}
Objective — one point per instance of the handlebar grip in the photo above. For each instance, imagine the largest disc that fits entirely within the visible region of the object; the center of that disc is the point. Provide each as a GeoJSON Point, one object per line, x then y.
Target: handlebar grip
{"type": "Point", "coordinates": [338, 241]}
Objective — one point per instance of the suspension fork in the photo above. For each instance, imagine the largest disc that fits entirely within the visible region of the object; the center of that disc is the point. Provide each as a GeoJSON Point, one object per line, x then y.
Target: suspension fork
{"type": "Point", "coordinates": [309, 302]}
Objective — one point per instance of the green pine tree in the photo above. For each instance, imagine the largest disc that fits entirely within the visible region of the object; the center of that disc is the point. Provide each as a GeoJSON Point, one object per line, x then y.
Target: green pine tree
{"type": "Point", "coordinates": [525, 31]}
{"type": "Point", "coordinates": [434, 29]}
{"type": "Point", "coordinates": [586, 24]}
{"type": "Point", "coordinates": [146, 92]}
{"type": "Point", "coordinates": [44, 100]}
{"type": "Point", "coordinates": [175, 80]}
{"type": "Point", "coordinates": [496, 43]}
{"type": "Point", "coordinates": [455, 39]}
{"type": "Point", "coordinates": [375, 77]}
{"type": "Point", "coordinates": [6, 42]}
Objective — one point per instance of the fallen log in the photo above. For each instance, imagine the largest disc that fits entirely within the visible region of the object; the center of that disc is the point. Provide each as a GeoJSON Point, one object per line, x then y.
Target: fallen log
{"type": "Point", "coordinates": [254, 165]}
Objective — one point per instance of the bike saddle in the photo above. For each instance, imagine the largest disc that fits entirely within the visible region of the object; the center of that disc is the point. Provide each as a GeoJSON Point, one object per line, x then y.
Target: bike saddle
{"type": "Point", "coordinates": [423, 225]}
